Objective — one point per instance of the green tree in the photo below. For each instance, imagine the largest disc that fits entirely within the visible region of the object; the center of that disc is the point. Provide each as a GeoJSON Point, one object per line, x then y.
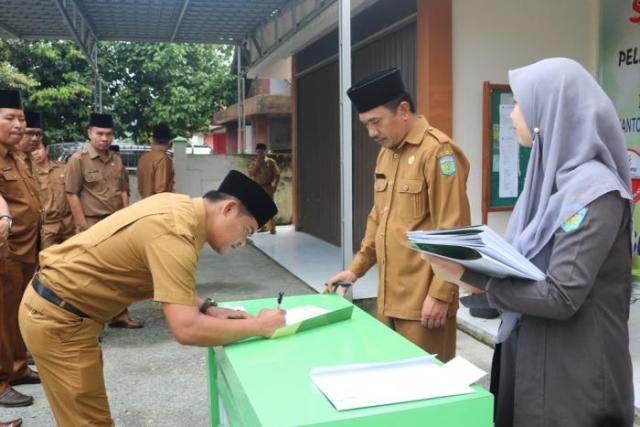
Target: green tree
{"type": "Point", "coordinates": [64, 89]}
{"type": "Point", "coordinates": [143, 84]}
{"type": "Point", "coordinates": [10, 77]}
{"type": "Point", "coordinates": [180, 84]}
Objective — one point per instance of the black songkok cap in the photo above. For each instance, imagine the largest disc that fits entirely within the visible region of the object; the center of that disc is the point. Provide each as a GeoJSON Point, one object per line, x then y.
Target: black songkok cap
{"type": "Point", "coordinates": [162, 132]}
{"type": "Point", "coordinates": [33, 119]}
{"type": "Point", "coordinates": [10, 98]}
{"type": "Point", "coordinates": [101, 120]}
{"type": "Point", "coordinates": [261, 146]}
{"type": "Point", "coordinates": [376, 90]}
{"type": "Point", "coordinates": [251, 194]}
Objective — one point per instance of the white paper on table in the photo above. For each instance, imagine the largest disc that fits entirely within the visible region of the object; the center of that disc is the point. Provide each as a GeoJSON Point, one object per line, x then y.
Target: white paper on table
{"type": "Point", "coordinates": [298, 314]}
{"type": "Point", "coordinates": [233, 307]}
{"type": "Point", "coordinates": [373, 384]}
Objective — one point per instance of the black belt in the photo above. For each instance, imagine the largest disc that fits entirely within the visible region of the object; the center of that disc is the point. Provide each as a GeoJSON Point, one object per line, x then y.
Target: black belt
{"type": "Point", "coordinates": [46, 293]}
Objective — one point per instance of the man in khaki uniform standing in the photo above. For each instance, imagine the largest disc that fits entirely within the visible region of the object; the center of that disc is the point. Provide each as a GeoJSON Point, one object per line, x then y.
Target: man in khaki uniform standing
{"type": "Point", "coordinates": [19, 230]}
{"type": "Point", "coordinates": [148, 250]}
{"type": "Point", "coordinates": [31, 138]}
{"type": "Point", "coordinates": [155, 169]}
{"type": "Point", "coordinates": [58, 221]}
{"type": "Point", "coordinates": [420, 184]}
{"type": "Point", "coordinates": [264, 170]}
{"type": "Point", "coordinates": [97, 185]}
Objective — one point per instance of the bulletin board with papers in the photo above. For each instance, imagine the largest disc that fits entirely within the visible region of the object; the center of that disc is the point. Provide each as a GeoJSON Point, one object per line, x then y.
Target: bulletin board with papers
{"type": "Point", "coordinates": [504, 161]}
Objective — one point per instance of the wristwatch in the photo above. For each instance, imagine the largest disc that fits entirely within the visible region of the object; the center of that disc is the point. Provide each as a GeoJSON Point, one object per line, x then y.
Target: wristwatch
{"type": "Point", "coordinates": [9, 221]}
{"type": "Point", "coordinates": [208, 302]}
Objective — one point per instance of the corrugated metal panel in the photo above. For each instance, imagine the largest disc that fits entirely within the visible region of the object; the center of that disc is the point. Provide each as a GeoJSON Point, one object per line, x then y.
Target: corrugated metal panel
{"type": "Point", "coordinates": [397, 49]}
{"type": "Point", "coordinates": [319, 154]}
{"type": "Point", "coordinates": [319, 140]}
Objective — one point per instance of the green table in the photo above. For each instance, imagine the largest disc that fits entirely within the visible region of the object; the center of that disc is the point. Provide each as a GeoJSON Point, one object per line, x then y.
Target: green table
{"type": "Point", "coordinates": [266, 382]}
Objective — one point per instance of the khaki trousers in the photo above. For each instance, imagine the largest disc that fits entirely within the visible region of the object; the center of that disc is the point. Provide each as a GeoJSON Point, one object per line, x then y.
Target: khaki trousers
{"type": "Point", "coordinates": [440, 341]}
{"type": "Point", "coordinates": [67, 353]}
{"type": "Point", "coordinates": [14, 278]}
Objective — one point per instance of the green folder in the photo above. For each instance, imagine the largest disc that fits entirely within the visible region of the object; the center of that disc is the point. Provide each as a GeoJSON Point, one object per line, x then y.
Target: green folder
{"type": "Point", "coordinates": [314, 322]}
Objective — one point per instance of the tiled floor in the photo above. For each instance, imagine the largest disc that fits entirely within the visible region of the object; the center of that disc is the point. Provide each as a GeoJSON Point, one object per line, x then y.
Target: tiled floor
{"type": "Point", "coordinates": [311, 259]}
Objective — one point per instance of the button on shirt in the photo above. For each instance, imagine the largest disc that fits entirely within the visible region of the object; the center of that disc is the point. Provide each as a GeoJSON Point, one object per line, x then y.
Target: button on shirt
{"type": "Point", "coordinates": [19, 190]}
{"type": "Point", "coordinates": [148, 250]}
{"type": "Point", "coordinates": [419, 185]}
{"type": "Point", "coordinates": [99, 183]}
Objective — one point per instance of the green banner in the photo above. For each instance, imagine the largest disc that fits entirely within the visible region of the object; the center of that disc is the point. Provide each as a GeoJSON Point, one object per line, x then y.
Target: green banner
{"type": "Point", "coordinates": [619, 74]}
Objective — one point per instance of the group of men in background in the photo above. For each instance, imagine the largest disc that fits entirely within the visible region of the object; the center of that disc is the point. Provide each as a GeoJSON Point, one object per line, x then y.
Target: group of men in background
{"type": "Point", "coordinates": [45, 202]}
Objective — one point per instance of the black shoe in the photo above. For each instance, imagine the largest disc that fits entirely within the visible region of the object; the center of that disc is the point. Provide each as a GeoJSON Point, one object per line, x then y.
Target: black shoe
{"type": "Point", "coordinates": [13, 398]}
{"type": "Point", "coordinates": [31, 378]}
{"type": "Point", "coordinates": [484, 313]}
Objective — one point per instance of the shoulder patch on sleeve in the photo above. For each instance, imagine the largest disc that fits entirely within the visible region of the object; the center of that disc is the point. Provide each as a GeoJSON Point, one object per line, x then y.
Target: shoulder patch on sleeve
{"type": "Point", "coordinates": [574, 221]}
{"type": "Point", "coordinates": [447, 163]}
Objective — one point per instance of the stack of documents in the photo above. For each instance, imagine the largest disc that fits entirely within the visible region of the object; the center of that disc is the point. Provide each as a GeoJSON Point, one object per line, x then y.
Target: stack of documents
{"type": "Point", "coordinates": [373, 384]}
{"type": "Point", "coordinates": [477, 248]}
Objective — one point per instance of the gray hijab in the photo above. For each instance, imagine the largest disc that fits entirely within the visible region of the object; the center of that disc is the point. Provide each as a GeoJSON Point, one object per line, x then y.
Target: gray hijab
{"type": "Point", "coordinates": [578, 155]}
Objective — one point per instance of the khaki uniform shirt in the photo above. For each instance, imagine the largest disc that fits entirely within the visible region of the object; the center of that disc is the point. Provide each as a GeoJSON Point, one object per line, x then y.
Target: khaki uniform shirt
{"type": "Point", "coordinates": [419, 185]}
{"type": "Point", "coordinates": [20, 192]}
{"type": "Point", "coordinates": [155, 174]}
{"type": "Point", "coordinates": [266, 171]}
{"type": "Point", "coordinates": [99, 183]}
{"type": "Point", "coordinates": [148, 250]}
{"type": "Point", "coordinates": [52, 194]}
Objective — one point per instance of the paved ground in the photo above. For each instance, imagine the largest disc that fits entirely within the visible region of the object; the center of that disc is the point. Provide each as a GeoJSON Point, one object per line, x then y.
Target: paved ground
{"type": "Point", "coordinates": [153, 381]}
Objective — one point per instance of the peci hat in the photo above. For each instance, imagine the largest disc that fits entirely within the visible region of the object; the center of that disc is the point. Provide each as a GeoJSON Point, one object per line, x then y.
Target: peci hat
{"type": "Point", "coordinates": [101, 120]}
{"type": "Point", "coordinates": [33, 119]}
{"type": "Point", "coordinates": [251, 194]}
{"type": "Point", "coordinates": [376, 90]}
{"type": "Point", "coordinates": [162, 132]}
{"type": "Point", "coordinates": [261, 146]}
{"type": "Point", "coordinates": [10, 98]}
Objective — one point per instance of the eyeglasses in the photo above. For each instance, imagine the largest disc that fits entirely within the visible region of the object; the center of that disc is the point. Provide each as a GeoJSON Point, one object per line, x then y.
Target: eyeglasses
{"type": "Point", "coordinates": [34, 134]}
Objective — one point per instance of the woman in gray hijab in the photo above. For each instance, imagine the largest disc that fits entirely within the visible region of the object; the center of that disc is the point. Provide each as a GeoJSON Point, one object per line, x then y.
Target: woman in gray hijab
{"type": "Point", "coordinates": [564, 354]}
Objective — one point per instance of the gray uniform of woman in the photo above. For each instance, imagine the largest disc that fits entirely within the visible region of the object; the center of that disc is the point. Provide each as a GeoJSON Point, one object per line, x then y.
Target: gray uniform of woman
{"type": "Point", "coordinates": [565, 358]}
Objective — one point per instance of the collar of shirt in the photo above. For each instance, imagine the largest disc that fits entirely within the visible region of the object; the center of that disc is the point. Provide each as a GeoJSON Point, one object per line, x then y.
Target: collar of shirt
{"type": "Point", "coordinates": [93, 153]}
{"type": "Point", "coordinates": [200, 229]}
{"type": "Point", "coordinates": [416, 134]}
{"type": "Point", "coordinates": [44, 170]}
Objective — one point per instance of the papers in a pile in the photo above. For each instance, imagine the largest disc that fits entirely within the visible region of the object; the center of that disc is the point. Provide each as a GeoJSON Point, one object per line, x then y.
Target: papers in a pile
{"type": "Point", "coordinates": [373, 384]}
{"type": "Point", "coordinates": [477, 248]}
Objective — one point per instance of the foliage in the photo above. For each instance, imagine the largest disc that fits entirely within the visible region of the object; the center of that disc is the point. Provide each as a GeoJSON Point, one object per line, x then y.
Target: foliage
{"type": "Point", "coordinates": [63, 92]}
{"type": "Point", "coordinates": [143, 84]}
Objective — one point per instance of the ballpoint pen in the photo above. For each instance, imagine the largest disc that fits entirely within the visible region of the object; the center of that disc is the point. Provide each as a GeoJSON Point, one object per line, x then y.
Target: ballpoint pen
{"type": "Point", "coordinates": [280, 296]}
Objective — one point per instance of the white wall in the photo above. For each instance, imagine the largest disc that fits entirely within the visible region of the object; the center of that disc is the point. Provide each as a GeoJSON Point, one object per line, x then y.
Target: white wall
{"type": "Point", "coordinates": [492, 36]}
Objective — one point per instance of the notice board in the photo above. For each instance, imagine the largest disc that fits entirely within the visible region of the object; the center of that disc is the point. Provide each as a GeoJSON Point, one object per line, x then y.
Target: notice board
{"type": "Point", "coordinates": [504, 161]}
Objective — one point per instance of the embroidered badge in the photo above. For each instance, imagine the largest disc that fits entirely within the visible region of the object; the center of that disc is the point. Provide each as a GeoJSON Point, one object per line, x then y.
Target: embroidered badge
{"type": "Point", "coordinates": [447, 165]}
{"type": "Point", "coordinates": [574, 221]}
{"type": "Point", "coordinates": [412, 160]}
